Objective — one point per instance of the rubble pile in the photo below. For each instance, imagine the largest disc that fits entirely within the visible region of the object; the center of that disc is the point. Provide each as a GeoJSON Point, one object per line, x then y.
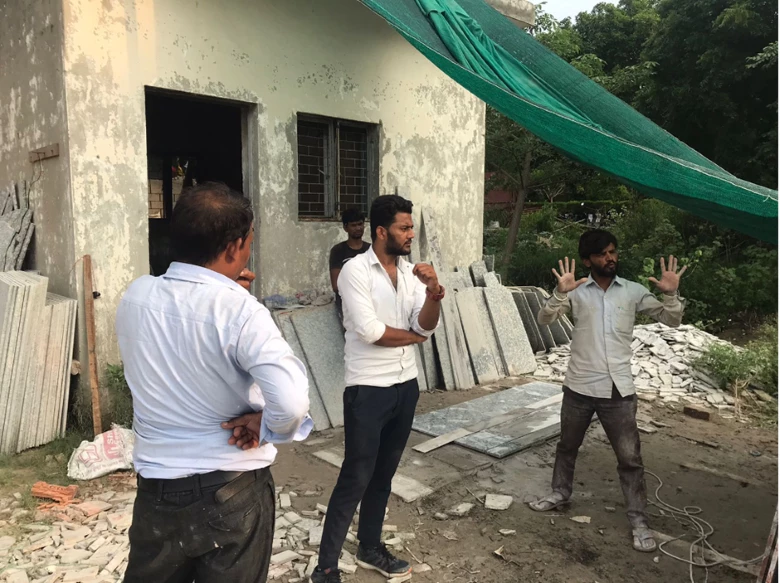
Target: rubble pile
{"type": "Point", "coordinates": [661, 365]}
{"type": "Point", "coordinates": [87, 541]}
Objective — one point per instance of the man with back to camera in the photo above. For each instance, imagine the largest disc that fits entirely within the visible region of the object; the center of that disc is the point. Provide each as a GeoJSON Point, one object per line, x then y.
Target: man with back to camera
{"type": "Point", "coordinates": [354, 222]}
{"type": "Point", "coordinates": [389, 306]}
{"type": "Point", "coordinates": [198, 350]}
{"type": "Point", "coordinates": [599, 378]}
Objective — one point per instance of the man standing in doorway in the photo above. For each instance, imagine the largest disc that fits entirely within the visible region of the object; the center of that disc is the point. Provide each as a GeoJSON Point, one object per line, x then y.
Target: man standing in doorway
{"type": "Point", "coordinates": [389, 306]}
{"type": "Point", "coordinates": [354, 222]}
{"type": "Point", "coordinates": [198, 350]}
{"type": "Point", "coordinates": [599, 378]}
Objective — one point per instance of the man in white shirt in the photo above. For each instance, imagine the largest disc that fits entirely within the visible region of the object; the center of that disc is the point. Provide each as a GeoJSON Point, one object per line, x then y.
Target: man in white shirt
{"type": "Point", "coordinates": [389, 306]}
{"type": "Point", "coordinates": [199, 350]}
{"type": "Point", "coordinates": [599, 378]}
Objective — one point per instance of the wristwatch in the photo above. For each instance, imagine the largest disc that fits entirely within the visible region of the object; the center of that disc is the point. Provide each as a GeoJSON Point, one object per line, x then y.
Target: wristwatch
{"type": "Point", "coordinates": [435, 297]}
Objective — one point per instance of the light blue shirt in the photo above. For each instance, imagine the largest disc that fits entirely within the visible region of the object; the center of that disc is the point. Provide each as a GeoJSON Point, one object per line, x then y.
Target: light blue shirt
{"type": "Point", "coordinates": [603, 332]}
{"type": "Point", "coordinates": [199, 350]}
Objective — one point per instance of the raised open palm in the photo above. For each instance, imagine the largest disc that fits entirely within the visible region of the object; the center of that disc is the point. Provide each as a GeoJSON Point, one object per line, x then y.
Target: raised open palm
{"type": "Point", "coordinates": [566, 280]}
{"type": "Point", "coordinates": [670, 278]}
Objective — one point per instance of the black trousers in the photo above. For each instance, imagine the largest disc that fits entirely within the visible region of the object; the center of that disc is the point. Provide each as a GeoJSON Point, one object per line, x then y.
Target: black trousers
{"type": "Point", "coordinates": [377, 423]}
{"type": "Point", "coordinates": [181, 537]}
{"type": "Point", "coordinates": [618, 417]}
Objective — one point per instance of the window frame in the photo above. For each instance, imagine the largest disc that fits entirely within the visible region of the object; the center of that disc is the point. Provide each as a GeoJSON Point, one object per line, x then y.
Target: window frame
{"type": "Point", "coordinates": [332, 165]}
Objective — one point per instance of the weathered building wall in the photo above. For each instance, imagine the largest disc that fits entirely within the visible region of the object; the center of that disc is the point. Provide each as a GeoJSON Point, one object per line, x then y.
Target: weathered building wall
{"type": "Point", "coordinates": [331, 57]}
{"type": "Point", "coordinates": [32, 115]}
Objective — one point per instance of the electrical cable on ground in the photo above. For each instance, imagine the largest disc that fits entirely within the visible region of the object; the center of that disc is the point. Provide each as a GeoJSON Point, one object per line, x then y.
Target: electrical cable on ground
{"type": "Point", "coordinates": [689, 516]}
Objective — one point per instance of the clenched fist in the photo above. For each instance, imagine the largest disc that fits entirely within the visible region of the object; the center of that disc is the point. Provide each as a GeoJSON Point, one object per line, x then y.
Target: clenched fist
{"type": "Point", "coordinates": [427, 274]}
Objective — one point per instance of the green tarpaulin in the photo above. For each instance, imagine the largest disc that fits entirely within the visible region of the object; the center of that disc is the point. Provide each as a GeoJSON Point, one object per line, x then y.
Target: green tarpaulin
{"type": "Point", "coordinates": [507, 68]}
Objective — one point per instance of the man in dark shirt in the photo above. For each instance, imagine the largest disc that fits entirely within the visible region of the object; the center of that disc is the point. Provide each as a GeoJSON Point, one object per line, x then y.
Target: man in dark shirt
{"type": "Point", "coordinates": [354, 224]}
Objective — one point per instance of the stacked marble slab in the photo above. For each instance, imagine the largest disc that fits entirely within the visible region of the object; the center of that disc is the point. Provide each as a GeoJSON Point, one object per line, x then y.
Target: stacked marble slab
{"type": "Point", "coordinates": [36, 349]}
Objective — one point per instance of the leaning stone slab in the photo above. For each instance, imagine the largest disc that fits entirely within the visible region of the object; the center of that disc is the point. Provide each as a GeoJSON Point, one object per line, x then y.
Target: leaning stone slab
{"type": "Point", "coordinates": [510, 333]}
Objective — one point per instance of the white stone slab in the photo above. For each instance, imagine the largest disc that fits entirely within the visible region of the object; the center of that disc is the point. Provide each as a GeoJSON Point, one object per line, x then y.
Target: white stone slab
{"type": "Point", "coordinates": [510, 333]}
{"type": "Point", "coordinates": [483, 359]}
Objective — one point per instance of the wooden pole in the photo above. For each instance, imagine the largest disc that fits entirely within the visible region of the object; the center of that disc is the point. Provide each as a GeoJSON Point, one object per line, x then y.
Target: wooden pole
{"type": "Point", "coordinates": [89, 311]}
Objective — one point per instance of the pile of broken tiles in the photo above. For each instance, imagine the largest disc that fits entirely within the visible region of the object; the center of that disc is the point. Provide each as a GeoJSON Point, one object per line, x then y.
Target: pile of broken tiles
{"type": "Point", "coordinates": [85, 542]}
{"type": "Point", "coordinates": [298, 535]}
{"type": "Point", "coordinates": [661, 364]}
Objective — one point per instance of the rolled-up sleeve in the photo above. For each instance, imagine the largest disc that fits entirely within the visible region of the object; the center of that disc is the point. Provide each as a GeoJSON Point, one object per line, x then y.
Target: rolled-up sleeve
{"type": "Point", "coordinates": [553, 309]}
{"type": "Point", "coordinates": [359, 313]}
{"type": "Point", "coordinates": [281, 377]}
{"type": "Point", "coordinates": [419, 300]}
{"type": "Point", "coordinates": [669, 311]}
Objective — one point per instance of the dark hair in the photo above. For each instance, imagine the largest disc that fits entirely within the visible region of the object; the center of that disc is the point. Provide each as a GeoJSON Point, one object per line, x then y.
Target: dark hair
{"type": "Point", "coordinates": [595, 241]}
{"type": "Point", "coordinates": [383, 211]}
{"type": "Point", "coordinates": [206, 219]}
{"type": "Point", "coordinates": [352, 215]}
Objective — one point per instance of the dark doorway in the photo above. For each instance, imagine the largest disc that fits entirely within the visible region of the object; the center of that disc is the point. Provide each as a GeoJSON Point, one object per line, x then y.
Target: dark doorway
{"type": "Point", "coordinates": [189, 141]}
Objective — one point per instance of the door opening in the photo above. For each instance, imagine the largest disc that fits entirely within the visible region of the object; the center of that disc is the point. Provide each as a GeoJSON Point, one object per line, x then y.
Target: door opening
{"type": "Point", "coordinates": [190, 140]}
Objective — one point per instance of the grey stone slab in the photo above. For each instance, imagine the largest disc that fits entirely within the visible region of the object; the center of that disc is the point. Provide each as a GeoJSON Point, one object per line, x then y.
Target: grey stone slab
{"type": "Point", "coordinates": [544, 331]}
{"type": "Point", "coordinates": [491, 280]}
{"type": "Point", "coordinates": [527, 429]}
{"type": "Point", "coordinates": [9, 331]}
{"type": "Point", "coordinates": [422, 382]}
{"type": "Point", "coordinates": [477, 334]}
{"type": "Point", "coordinates": [557, 330]}
{"type": "Point", "coordinates": [510, 333]}
{"type": "Point", "coordinates": [31, 312]}
{"type": "Point", "coordinates": [456, 342]}
{"type": "Point", "coordinates": [490, 262]}
{"type": "Point", "coordinates": [322, 341]}
{"type": "Point", "coordinates": [454, 281]}
{"type": "Point", "coordinates": [316, 407]}
{"type": "Point", "coordinates": [529, 322]}
{"type": "Point", "coordinates": [490, 333]}
{"type": "Point", "coordinates": [478, 270]}
{"type": "Point", "coordinates": [7, 235]}
{"type": "Point", "coordinates": [442, 352]}
{"type": "Point", "coordinates": [465, 414]}
{"type": "Point", "coordinates": [429, 364]}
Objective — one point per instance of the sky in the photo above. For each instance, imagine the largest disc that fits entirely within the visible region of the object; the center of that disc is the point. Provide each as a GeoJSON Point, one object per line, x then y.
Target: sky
{"type": "Point", "coordinates": [560, 9]}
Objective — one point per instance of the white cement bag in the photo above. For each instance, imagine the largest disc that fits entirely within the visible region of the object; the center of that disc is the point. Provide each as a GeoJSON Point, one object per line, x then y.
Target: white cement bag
{"type": "Point", "coordinates": [108, 452]}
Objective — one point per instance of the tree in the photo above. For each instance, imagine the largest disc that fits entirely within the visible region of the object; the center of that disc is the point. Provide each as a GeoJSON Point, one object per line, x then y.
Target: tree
{"type": "Point", "coordinates": [705, 89]}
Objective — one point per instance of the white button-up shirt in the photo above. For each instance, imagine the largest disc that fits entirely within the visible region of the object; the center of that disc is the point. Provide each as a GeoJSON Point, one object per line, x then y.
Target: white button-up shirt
{"type": "Point", "coordinates": [603, 332]}
{"type": "Point", "coordinates": [198, 350]}
{"type": "Point", "coordinates": [370, 304]}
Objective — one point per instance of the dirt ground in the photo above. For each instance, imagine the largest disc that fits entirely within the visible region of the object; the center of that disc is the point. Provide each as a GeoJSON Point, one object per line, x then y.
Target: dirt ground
{"type": "Point", "coordinates": [550, 547]}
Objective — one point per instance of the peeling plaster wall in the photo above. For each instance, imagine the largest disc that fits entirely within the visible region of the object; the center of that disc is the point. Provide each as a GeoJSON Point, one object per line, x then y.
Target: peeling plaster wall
{"type": "Point", "coordinates": [330, 57]}
{"type": "Point", "coordinates": [32, 115]}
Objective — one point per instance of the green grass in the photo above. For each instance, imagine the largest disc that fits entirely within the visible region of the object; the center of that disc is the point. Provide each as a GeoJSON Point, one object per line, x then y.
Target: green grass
{"type": "Point", "coordinates": [19, 472]}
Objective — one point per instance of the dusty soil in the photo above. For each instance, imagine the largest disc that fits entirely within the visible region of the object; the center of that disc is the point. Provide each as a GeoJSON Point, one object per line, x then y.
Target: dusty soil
{"type": "Point", "coordinates": [547, 548]}
{"type": "Point", "coordinates": [550, 547]}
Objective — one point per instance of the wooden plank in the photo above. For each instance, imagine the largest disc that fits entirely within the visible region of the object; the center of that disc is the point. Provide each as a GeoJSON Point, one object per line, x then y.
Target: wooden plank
{"type": "Point", "coordinates": [89, 313]}
{"type": "Point", "coordinates": [720, 473]}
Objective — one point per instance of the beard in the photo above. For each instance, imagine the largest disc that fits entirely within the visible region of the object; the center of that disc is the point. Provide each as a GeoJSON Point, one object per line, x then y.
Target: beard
{"type": "Point", "coordinates": [396, 249]}
{"type": "Point", "coordinates": [609, 270]}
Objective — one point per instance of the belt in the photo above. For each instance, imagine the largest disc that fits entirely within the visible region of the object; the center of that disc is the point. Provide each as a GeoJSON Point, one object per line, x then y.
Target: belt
{"type": "Point", "coordinates": [188, 484]}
